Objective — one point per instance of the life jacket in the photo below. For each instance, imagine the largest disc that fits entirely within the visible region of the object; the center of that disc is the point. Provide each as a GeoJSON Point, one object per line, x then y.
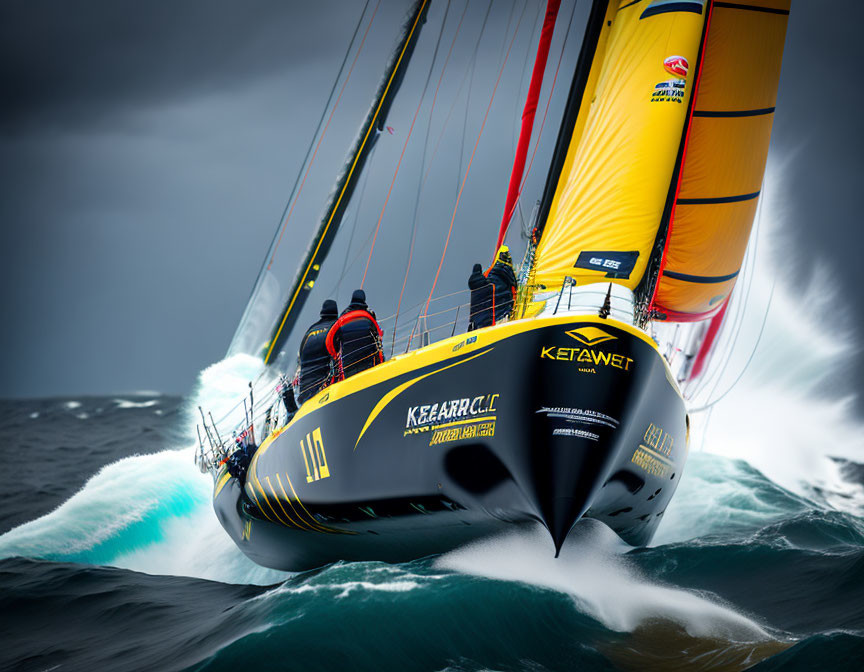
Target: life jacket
{"type": "Point", "coordinates": [354, 343]}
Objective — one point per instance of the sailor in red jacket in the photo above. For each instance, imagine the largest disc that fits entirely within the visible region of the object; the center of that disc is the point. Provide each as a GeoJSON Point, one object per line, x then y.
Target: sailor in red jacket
{"type": "Point", "coordinates": [354, 342]}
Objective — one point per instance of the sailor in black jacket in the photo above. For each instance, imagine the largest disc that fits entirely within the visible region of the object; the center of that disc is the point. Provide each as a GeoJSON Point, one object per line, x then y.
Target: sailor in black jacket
{"type": "Point", "coordinates": [482, 299]}
{"type": "Point", "coordinates": [503, 278]}
{"type": "Point", "coordinates": [314, 358]}
{"type": "Point", "coordinates": [355, 340]}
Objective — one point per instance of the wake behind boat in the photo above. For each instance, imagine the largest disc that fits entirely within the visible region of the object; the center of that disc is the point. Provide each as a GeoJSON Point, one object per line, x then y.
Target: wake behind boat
{"type": "Point", "coordinates": [570, 402]}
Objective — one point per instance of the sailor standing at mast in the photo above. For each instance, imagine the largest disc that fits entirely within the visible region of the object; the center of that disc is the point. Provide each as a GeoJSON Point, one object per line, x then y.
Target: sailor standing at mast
{"type": "Point", "coordinates": [482, 299]}
{"type": "Point", "coordinates": [503, 278]}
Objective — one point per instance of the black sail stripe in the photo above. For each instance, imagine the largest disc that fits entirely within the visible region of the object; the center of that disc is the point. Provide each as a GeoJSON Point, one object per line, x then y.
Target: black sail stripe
{"type": "Point", "coordinates": [692, 6]}
{"type": "Point", "coordinates": [733, 113]}
{"type": "Point", "coordinates": [629, 4]}
{"type": "Point", "coordinates": [751, 8]}
{"type": "Point", "coordinates": [701, 279]}
{"type": "Point", "coordinates": [718, 199]}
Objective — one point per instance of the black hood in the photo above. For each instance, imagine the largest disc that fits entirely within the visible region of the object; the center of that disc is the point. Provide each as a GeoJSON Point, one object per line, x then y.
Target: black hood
{"type": "Point", "coordinates": [358, 300]}
{"type": "Point", "coordinates": [329, 310]}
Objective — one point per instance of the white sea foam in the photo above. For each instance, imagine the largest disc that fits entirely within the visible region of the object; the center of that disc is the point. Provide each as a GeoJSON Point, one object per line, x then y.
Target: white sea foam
{"type": "Point", "coordinates": [151, 513]}
{"type": "Point", "coordinates": [602, 583]}
{"type": "Point", "coordinates": [126, 403]}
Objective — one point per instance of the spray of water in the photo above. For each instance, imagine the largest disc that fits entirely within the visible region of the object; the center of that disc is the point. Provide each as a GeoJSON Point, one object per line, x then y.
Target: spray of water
{"type": "Point", "coordinates": [151, 513]}
{"type": "Point", "coordinates": [593, 571]}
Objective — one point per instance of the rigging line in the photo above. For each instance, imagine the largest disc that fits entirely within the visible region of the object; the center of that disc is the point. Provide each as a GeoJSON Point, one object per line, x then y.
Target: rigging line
{"type": "Point", "coordinates": [740, 312]}
{"type": "Point", "coordinates": [308, 151]}
{"type": "Point", "coordinates": [731, 325]}
{"type": "Point", "coordinates": [749, 361]}
{"type": "Point", "coordinates": [468, 70]}
{"type": "Point", "coordinates": [471, 84]}
{"type": "Point", "coordinates": [507, 30]}
{"type": "Point", "coordinates": [405, 144]}
{"type": "Point", "coordinates": [354, 259]}
{"type": "Point", "coordinates": [739, 319]}
{"type": "Point", "coordinates": [421, 182]}
{"type": "Point", "coordinates": [326, 126]}
{"type": "Point", "coordinates": [420, 8]}
{"type": "Point", "coordinates": [543, 121]}
{"type": "Point", "coordinates": [356, 217]}
{"type": "Point", "coordinates": [473, 154]}
{"type": "Point", "coordinates": [742, 308]}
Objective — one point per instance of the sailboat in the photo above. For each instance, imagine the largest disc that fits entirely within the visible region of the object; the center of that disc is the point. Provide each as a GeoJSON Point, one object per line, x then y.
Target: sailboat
{"type": "Point", "coordinates": [577, 405]}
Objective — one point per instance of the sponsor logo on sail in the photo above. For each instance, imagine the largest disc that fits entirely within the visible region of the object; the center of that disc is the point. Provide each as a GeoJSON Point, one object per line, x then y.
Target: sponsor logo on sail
{"type": "Point", "coordinates": [670, 91]}
{"type": "Point", "coordinates": [676, 65]}
{"type": "Point", "coordinates": [614, 263]}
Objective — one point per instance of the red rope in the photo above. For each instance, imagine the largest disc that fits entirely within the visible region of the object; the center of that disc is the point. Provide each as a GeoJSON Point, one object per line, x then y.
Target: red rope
{"type": "Point", "coordinates": [321, 138]}
{"type": "Point", "coordinates": [542, 125]}
{"type": "Point", "coordinates": [528, 114]}
{"type": "Point", "coordinates": [708, 342]}
{"type": "Point", "coordinates": [471, 160]}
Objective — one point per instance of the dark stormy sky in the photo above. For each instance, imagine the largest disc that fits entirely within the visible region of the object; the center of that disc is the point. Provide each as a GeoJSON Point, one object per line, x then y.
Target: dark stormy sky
{"type": "Point", "coordinates": [147, 151]}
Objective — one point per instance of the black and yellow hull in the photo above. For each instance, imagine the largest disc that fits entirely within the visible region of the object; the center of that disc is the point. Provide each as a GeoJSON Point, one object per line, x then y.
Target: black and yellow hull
{"type": "Point", "coordinates": [544, 420]}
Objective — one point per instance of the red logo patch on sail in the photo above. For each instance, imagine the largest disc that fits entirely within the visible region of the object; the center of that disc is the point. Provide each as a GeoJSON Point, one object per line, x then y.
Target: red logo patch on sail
{"type": "Point", "coordinates": [676, 65]}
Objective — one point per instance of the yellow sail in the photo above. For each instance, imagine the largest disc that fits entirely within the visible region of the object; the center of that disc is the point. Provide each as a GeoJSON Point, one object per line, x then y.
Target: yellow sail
{"type": "Point", "coordinates": [610, 198]}
{"type": "Point", "coordinates": [725, 157]}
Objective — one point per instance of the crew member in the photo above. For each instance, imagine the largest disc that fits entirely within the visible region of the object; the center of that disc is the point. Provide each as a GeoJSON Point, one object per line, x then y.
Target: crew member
{"type": "Point", "coordinates": [238, 461]}
{"type": "Point", "coordinates": [503, 279]}
{"type": "Point", "coordinates": [314, 359]}
{"type": "Point", "coordinates": [285, 390]}
{"type": "Point", "coordinates": [482, 299]}
{"type": "Point", "coordinates": [354, 342]}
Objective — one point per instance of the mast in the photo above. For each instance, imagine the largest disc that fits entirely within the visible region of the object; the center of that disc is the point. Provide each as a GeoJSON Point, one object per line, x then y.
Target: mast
{"type": "Point", "coordinates": [347, 180]}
